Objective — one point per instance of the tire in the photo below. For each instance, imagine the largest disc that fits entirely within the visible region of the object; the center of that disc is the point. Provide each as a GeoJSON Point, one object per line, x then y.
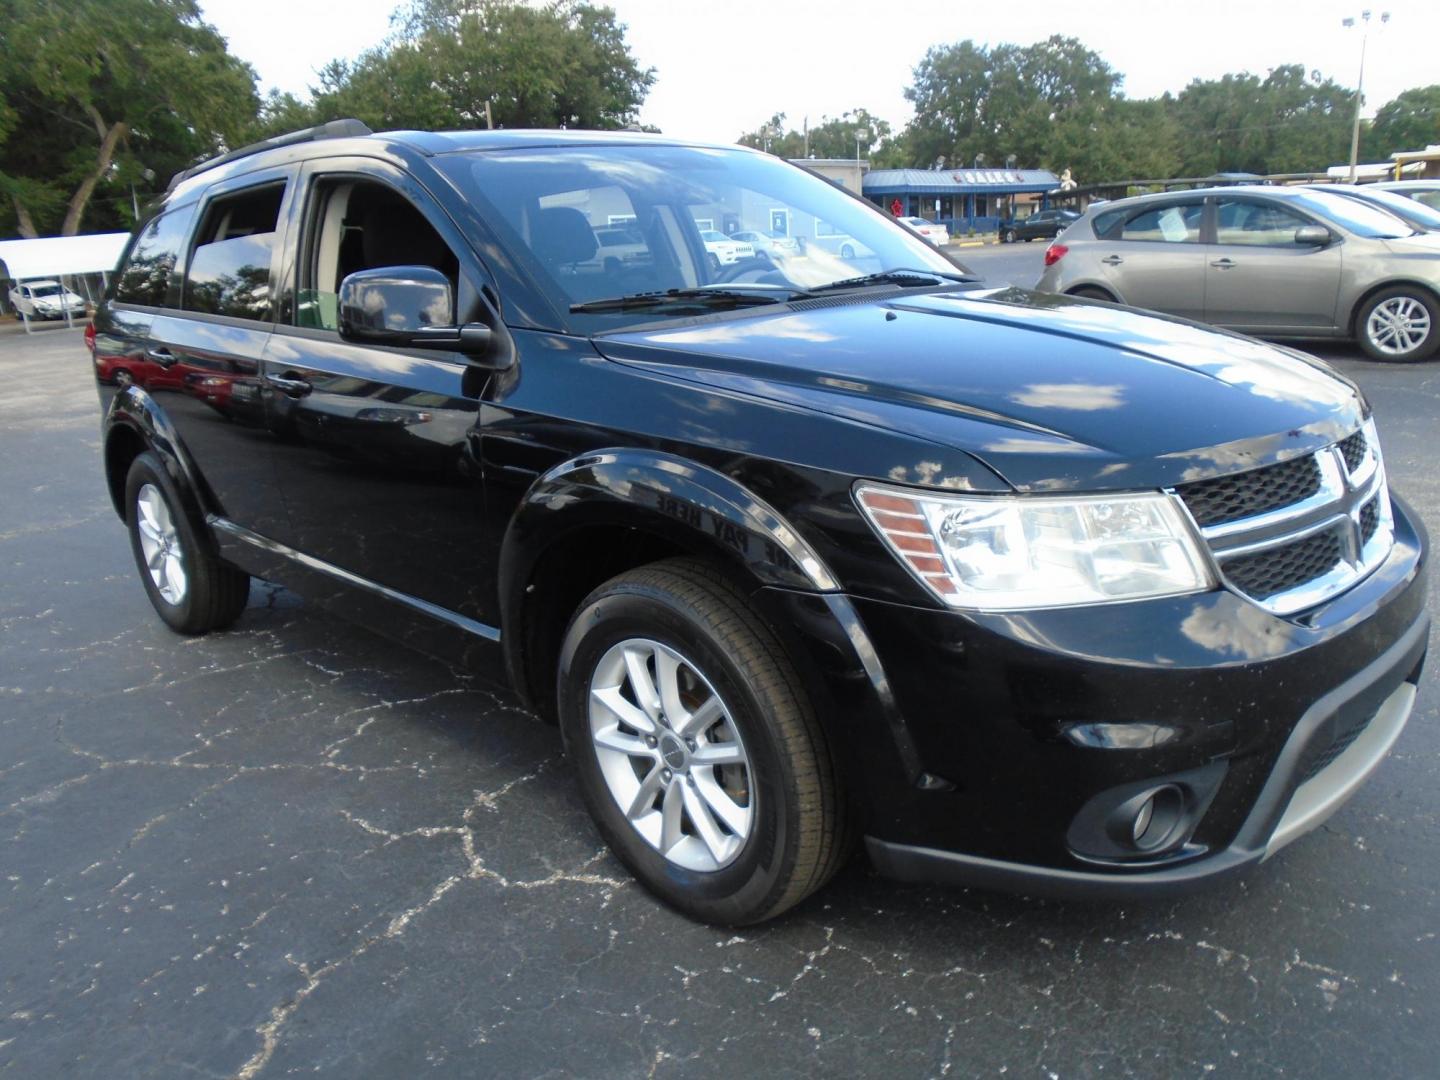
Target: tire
{"type": "Point", "coordinates": [772, 827]}
{"type": "Point", "coordinates": [190, 588]}
{"type": "Point", "coordinates": [1089, 292]}
{"type": "Point", "coordinates": [123, 378]}
{"type": "Point", "coordinates": [714, 261]}
{"type": "Point", "coordinates": [1008, 237]}
{"type": "Point", "coordinates": [1399, 325]}
{"type": "Point", "coordinates": [847, 251]}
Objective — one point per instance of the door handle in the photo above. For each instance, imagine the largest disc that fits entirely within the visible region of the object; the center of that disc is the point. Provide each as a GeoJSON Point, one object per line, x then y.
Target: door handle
{"type": "Point", "coordinates": [289, 383]}
{"type": "Point", "coordinates": [162, 356]}
{"type": "Point", "coordinates": [1224, 264]}
{"type": "Point", "coordinates": [1112, 260]}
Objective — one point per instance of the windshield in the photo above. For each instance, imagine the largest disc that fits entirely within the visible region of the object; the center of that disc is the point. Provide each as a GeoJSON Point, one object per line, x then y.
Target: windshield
{"type": "Point", "coordinates": [1353, 215]}
{"type": "Point", "coordinates": [1417, 214]}
{"type": "Point", "coordinates": [683, 206]}
{"type": "Point", "coordinates": [44, 290]}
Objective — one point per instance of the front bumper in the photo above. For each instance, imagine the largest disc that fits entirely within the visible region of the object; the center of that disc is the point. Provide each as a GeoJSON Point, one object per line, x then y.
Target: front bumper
{"type": "Point", "coordinates": [973, 744]}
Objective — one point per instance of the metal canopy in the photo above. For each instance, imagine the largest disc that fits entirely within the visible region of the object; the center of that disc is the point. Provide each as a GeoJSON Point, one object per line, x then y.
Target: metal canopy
{"type": "Point", "coordinates": [53, 256]}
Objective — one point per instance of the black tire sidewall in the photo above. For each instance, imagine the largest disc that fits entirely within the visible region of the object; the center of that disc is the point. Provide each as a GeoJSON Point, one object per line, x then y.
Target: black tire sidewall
{"type": "Point", "coordinates": [149, 469]}
{"type": "Point", "coordinates": [1426, 349]}
{"type": "Point", "coordinates": [743, 890]}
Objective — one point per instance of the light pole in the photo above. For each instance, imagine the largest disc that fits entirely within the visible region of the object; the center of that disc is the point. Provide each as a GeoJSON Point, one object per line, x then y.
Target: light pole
{"type": "Point", "coordinates": [1349, 24]}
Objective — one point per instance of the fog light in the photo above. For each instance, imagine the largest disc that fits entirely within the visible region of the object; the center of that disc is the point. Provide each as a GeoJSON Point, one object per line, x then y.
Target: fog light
{"type": "Point", "coordinates": [1153, 825]}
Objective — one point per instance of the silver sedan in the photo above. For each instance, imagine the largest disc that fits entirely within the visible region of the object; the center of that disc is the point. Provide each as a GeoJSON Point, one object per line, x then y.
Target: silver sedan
{"type": "Point", "coordinates": [1271, 261]}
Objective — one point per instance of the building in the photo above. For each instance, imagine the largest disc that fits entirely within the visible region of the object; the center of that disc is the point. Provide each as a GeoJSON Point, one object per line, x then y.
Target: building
{"type": "Point", "coordinates": [961, 199]}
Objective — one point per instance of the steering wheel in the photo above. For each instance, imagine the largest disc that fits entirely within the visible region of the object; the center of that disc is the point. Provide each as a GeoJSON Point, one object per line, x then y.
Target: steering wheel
{"type": "Point", "coordinates": [753, 271]}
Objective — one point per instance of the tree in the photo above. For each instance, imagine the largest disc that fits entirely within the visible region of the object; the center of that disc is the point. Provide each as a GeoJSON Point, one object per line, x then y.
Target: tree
{"type": "Point", "coordinates": [1409, 122]}
{"type": "Point", "coordinates": [96, 92]}
{"type": "Point", "coordinates": [1289, 121]}
{"type": "Point", "coordinates": [565, 64]}
{"type": "Point", "coordinates": [833, 137]}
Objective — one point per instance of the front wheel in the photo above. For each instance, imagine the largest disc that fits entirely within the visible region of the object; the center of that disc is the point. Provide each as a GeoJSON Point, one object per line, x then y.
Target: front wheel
{"type": "Point", "coordinates": [697, 751]}
{"type": "Point", "coordinates": [1399, 325]}
{"type": "Point", "coordinates": [189, 587]}
{"type": "Point", "coordinates": [714, 261]}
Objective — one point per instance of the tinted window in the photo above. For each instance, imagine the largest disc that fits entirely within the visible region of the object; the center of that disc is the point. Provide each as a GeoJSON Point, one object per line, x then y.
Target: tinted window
{"type": "Point", "coordinates": [1108, 222]}
{"type": "Point", "coordinates": [1257, 224]}
{"type": "Point", "coordinates": [1167, 224]}
{"type": "Point", "coordinates": [229, 272]}
{"type": "Point", "coordinates": [145, 277]}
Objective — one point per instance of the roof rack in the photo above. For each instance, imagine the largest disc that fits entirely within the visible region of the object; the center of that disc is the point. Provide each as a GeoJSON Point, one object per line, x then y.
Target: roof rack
{"type": "Point", "coordinates": [333, 129]}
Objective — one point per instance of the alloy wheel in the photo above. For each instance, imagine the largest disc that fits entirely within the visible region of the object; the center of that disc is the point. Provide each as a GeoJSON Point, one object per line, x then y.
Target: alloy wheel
{"type": "Point", "coordinates": [160, 544]}
{"type": "Point", "coordinates": [671, 755]}
{"type": "Point", "coordinates": [1398, 325]}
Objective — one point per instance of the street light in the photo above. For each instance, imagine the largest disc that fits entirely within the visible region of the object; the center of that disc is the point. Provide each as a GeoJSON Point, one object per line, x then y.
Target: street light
{"type": "Point", "coordinates": [1349, 24]}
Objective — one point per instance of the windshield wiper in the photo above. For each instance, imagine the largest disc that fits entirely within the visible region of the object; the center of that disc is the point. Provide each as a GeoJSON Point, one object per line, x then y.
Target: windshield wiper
{"type": "Point", "coordinates": [723, 298]}
{"type": "Point", "coordinates": [897, 276]}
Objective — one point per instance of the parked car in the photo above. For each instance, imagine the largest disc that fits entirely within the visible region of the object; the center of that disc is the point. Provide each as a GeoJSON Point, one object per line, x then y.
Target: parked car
{"type": "Point", "coordinates": [932, 231]}
{"type": "Point", "coordinates": [46, 300]}
{"type": "Point", "coordinates": [1041, 225]}
{"type": "Point", "coordinates": [1412, 212]}
{"type": "Point", "coordinates": [1028, 592]}
{"type": "Point", "coordinates": [725, 250]}
{"type": "Point", "coordinates": [617, 247]}
{"type": "Point", "coordinates": [1425, 191]}
{"type": "Point", "coordinates": [769, 245]}
{"type": "Point", "coordinates": [1286, 262]}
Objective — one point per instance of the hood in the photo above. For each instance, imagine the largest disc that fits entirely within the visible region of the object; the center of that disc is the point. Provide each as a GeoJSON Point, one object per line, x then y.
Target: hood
{"type": "Point", "coordinates": [1052, 393]}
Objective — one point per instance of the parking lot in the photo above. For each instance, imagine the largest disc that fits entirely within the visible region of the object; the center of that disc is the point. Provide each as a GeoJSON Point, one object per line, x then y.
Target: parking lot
{"type": "Point", "coordinates": [296, 847]}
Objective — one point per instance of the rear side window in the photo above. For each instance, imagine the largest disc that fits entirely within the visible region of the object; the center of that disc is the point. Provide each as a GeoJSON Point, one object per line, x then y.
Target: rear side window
{"type": "Point", "coordinates": [229, 271]}
{"type": "Point", "coordinates": [1166, 224]}
{"type": "Point", "coordinates": [145, 277]}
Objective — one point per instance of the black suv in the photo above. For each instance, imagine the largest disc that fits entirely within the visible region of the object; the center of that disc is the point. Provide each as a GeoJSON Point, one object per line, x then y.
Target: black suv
{"type": "Point", "coordinates": [1026, 591]}
{"type": "Point", "coordinates": [1041, 225]}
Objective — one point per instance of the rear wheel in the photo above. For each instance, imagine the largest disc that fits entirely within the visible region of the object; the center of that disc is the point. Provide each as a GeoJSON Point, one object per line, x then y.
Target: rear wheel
{"type": "Point", "coordinates": [847, 251]}
{"type": "Point", "coordinates": [696, 748]}
{"type": "Point", "coordinates": [189, 587]}
{"type": "Point", "coordinates": [1089, 292]}
{"type": "Point", "coordinates": [1008, 236]}
{"type": "Point", "coordinates": [1399, 325]}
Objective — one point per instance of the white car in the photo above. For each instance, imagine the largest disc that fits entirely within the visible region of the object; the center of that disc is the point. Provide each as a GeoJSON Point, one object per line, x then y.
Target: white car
{"type": "Point", "coordinates": [46, 300]}
{"type": "Point", "coordinates": [617, 247]}
{"type": "Point", "coordinates": [769, 245]}
{"type": "Point", "coordinates": [935, 233]}
{"type": "Point", "coordinates": [723, 250]}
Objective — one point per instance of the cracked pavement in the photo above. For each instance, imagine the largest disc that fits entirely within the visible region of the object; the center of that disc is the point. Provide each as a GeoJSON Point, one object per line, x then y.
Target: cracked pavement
{"type": "Point", "coordinates": [294, 847]}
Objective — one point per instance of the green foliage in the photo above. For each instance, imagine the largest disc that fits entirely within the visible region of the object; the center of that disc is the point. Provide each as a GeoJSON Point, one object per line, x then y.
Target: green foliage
{"type": "Point", "coordinates": [1287, 122]}
{"type": "Point", "coordinates": [97, 91]}
{"type": "Point", "coordinates": [565, 64]}
{"type": "Point", "coordinates": [1410, 122]}
{"type": "Point", "coordinates": [833, 137]}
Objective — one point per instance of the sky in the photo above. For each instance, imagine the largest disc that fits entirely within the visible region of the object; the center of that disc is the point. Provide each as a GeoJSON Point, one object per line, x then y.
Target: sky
{"type": "Point", "coordinates": [725, 67]}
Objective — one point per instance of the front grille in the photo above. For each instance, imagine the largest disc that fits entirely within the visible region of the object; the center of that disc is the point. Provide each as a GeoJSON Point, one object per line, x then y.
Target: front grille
{"type": "Point", "coordinates": [1291, 535]}
{"type": "Point", "coordinates": [1353, 451]}
{"type": "Point", "coordinates": [1279, 569]}
{"type": "Point", "coordinates": [1369, 520]}
{"type": "Point", "coordinates": [1230, 498]}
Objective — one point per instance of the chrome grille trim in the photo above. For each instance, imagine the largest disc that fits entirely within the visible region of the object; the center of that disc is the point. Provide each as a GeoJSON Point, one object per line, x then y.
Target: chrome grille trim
{"type": "Point", "coordinates": [1339, 505]}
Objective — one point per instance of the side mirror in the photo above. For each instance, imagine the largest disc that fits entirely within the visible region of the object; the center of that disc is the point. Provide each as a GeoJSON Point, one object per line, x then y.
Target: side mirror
{"type": "Point", "coordinates": [1312, 236]}
{"type": "Point", "coordinates": [412, 306]}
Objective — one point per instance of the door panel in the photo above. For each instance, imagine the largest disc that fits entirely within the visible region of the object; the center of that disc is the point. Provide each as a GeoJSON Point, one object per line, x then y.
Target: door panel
{"type": "Point", "coordinates": [212, 394]}
{"type": "Point", "coordinates": [373, 449]}
{"type": "Point", "coordinates": [374, 445]}
{"type": "Point", "coordinates": [1258, 278]}
{"type": "Point", "coordinates": [1156, 260]}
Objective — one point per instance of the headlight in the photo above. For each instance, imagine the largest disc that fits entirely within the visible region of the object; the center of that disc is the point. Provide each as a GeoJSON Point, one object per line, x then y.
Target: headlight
{"type": "Point", "coordinates": [1002, 553]}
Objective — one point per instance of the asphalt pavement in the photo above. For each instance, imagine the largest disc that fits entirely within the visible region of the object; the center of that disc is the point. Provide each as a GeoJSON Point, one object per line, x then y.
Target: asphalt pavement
{"type": "Point", "coordinates": [296, 848]}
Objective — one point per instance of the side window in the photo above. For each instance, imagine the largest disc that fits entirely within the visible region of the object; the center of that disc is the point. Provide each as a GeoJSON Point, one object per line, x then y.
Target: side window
{"type": "Point", "coordinates": [1107, 225]}
{"type": "Point", "coordinates": [360, 225]}
{"type": "Point", "coordinates": [145, 277]}
{"type": "Point", "coordinates": [229, 271]}
{"type": "Point", "coordinates": [1167, 224]}
{"type": "Point", "coordinates": [1255, 223]}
